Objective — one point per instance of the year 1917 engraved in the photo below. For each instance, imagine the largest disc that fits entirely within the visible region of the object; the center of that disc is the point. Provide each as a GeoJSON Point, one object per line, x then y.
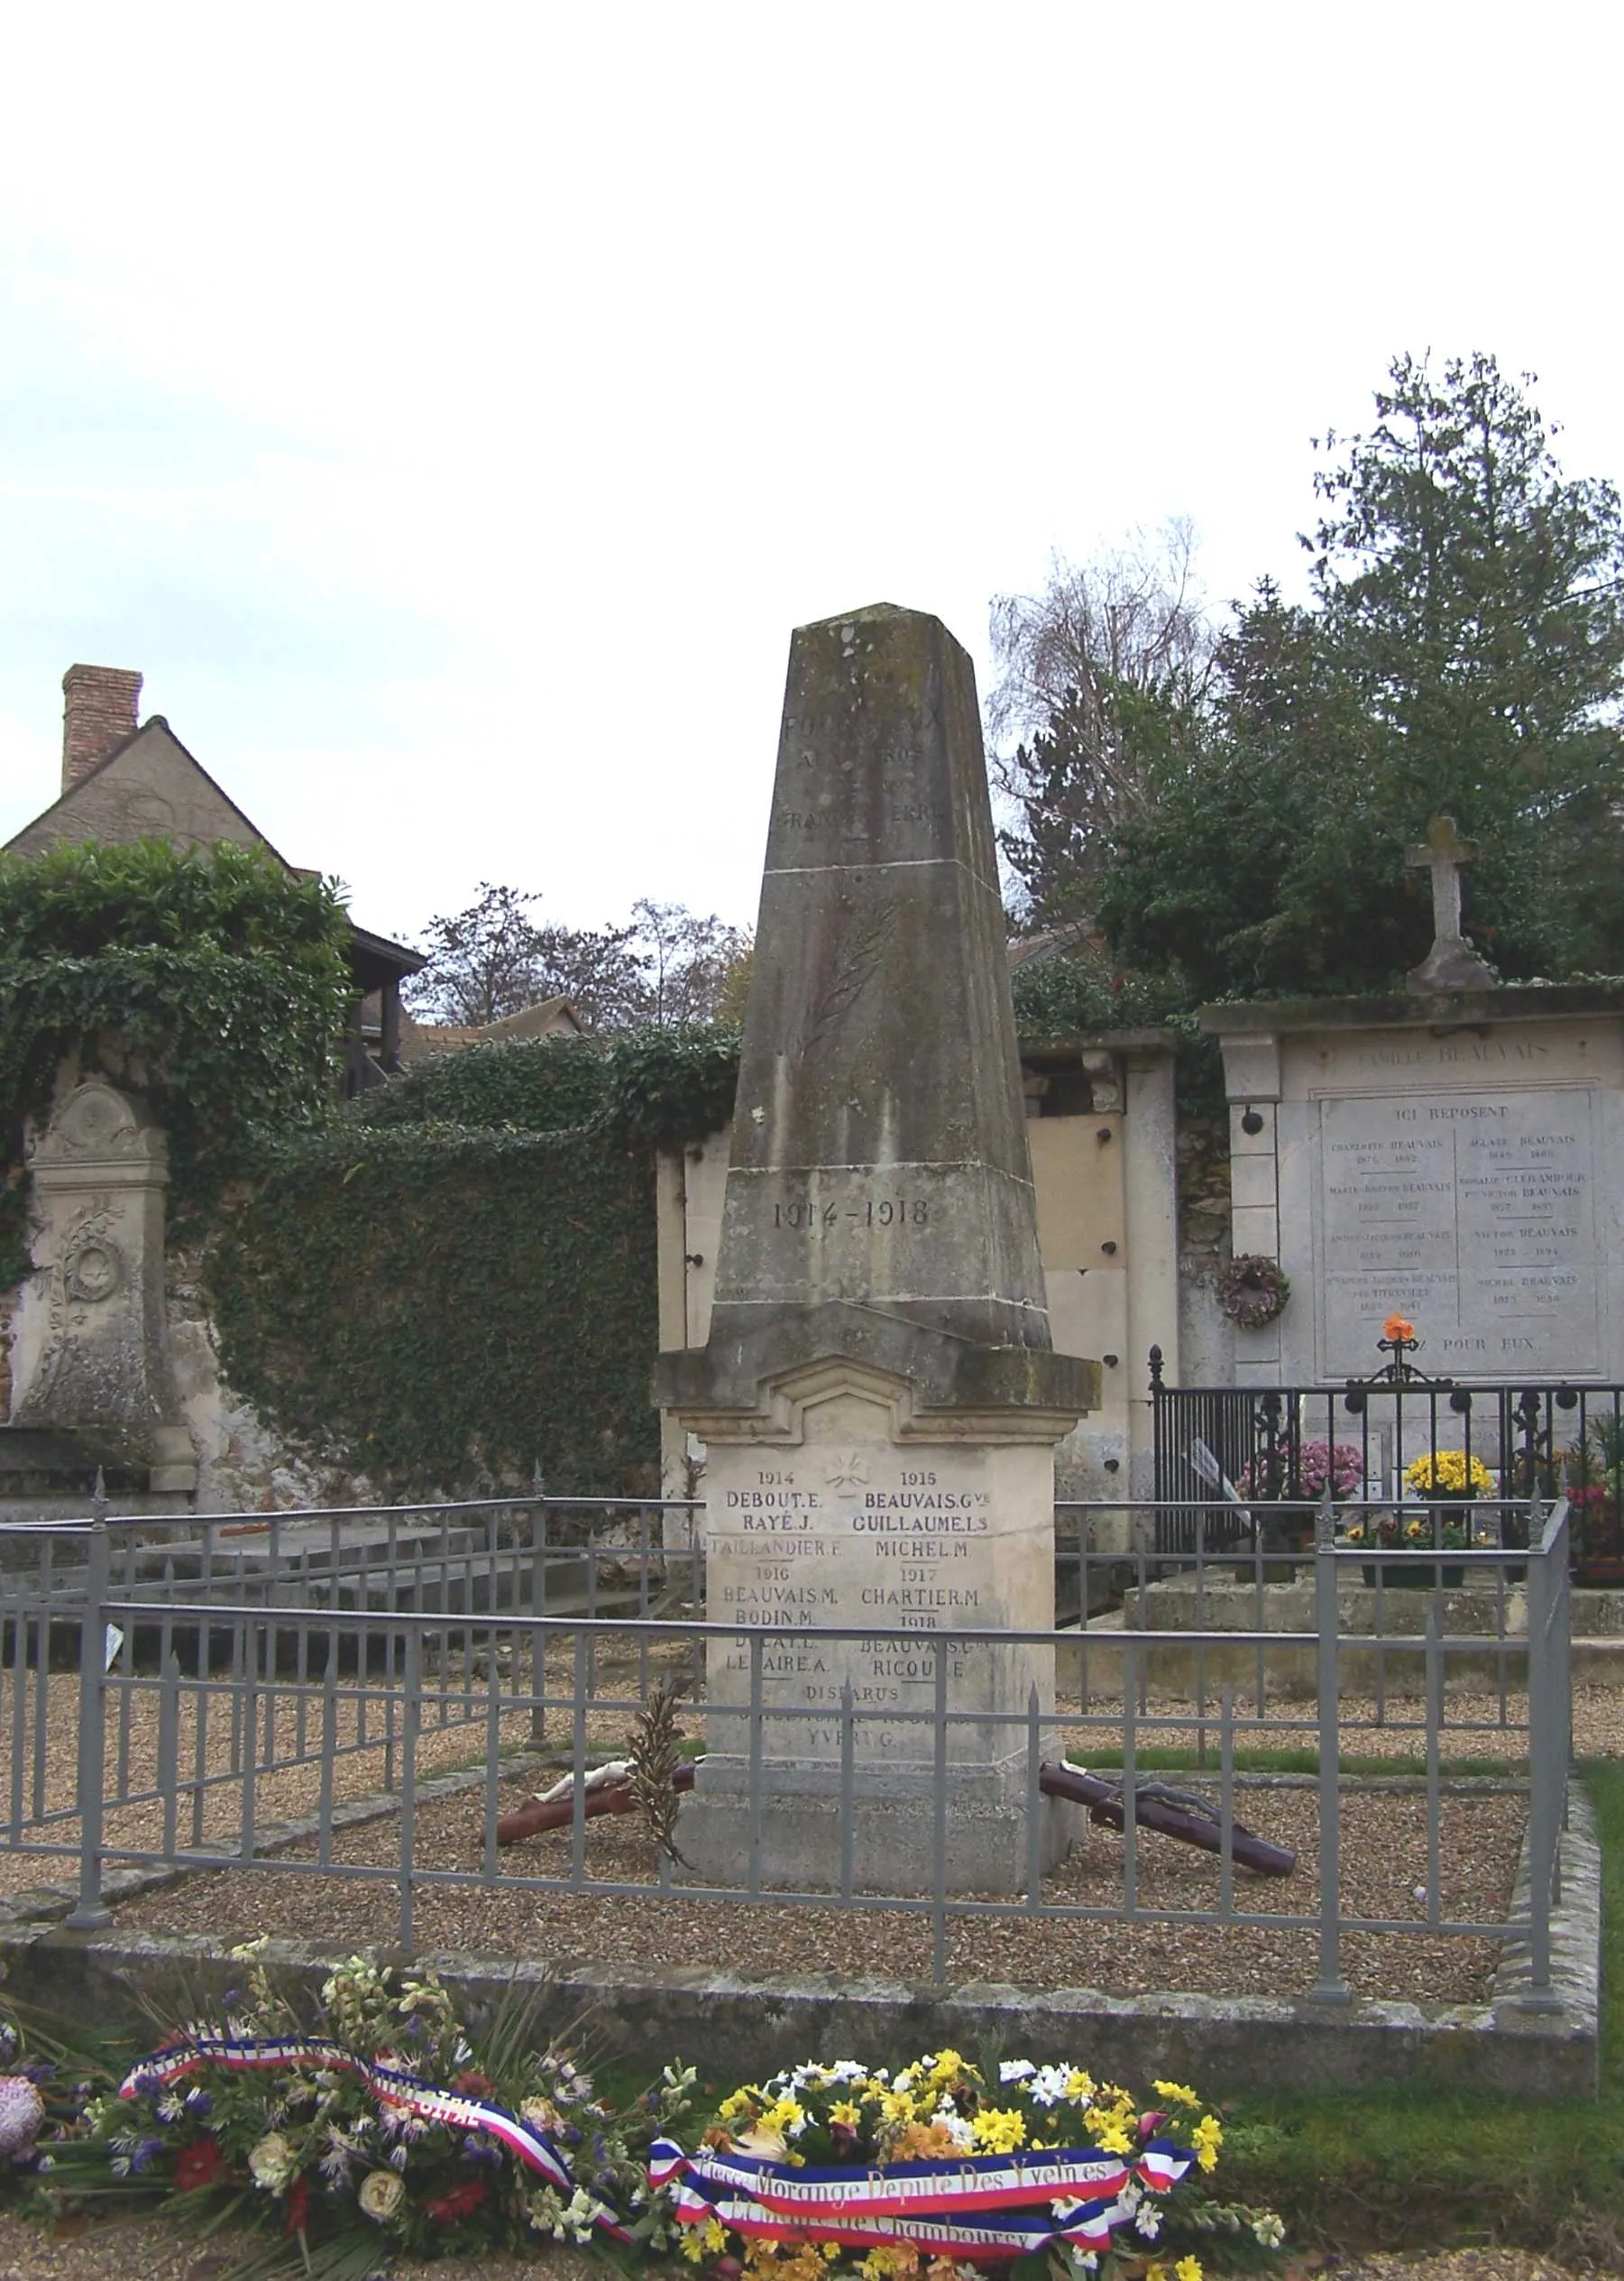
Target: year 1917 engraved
{"type": "Point", "coordinates": [888, 1211]}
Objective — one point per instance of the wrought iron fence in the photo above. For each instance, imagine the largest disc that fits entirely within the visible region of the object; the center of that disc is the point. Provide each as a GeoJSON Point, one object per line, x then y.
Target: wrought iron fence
{"type": "Point", "coordinates": [1233, 1456]}
{"type": "Point", "coordinates": [205, 1725]}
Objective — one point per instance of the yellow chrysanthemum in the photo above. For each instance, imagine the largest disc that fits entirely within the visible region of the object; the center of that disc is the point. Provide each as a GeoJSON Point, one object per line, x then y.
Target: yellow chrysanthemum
{"type": "Point", "coordinates": [999, 2130]}
{"type": "Point", "coordinates": [1079, 2085]}
{"type": "Point", "coordinates": [1178, 2090]}
{"type": "Point", "coordinates": [1449, 1473]}
{"type": "Point", "coordinates": [1188, 2270]}
{"type": "Point", "coordinates": [1207, 2137]}
{"type": "Point", "coordinates": [844, 2112]}
{"type": "Point", "coordinates": [736, 2104]}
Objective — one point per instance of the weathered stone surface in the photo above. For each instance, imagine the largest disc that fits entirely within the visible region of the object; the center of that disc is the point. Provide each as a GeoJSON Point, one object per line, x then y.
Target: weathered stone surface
{"type": "Point", "coordinates": [878, 1391]}
{"type": "Point", "coordinates": [880, 1151]}
{"type": "Point", "coordinates": [90, 1351]}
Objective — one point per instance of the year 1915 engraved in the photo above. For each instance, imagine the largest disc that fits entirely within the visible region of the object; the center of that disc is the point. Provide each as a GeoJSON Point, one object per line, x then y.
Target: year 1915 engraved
{"type": "Point", "coordinates": [888, 1211]}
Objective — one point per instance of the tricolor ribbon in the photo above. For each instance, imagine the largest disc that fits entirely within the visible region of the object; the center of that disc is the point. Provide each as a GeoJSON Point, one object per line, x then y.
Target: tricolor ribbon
{"type": "Point", "coordinates": [391, 2085]}
{"type": "Point", "coordinates": [941, 2206]}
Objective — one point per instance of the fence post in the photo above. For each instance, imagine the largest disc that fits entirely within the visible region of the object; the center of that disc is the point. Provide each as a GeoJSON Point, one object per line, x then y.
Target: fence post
{"type": "Point", "coordinates": [1330, 1988]}
{"type": "Point", "coordinates": [1547, 1768]}
{"type": "Point", "coordinates": [90, 1913]}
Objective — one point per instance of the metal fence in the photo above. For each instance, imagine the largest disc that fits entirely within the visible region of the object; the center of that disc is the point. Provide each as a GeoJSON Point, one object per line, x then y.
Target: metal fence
{"type": "Point", "coordinates": [205, 1717]}
{"type": "Point", "coordinates": [1230, 1453]}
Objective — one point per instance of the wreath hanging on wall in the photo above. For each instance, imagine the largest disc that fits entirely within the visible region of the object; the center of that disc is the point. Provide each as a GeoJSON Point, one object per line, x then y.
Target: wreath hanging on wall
{"type": "Point", "coordinates": [1252, 1290]}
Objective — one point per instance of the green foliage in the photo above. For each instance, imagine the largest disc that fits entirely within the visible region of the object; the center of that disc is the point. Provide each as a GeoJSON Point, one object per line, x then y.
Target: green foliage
{"type": "Point", "coordinates": [211, 980]}
{"type": "Point", "coordinates": [460, 1282]}
{"type": "Point", "coordinates": [440, 1306]}
{"type": "Point", "coordinates": [1083, 991]}
{"type": "Point", "coordinates": [1463, 655]}
{"type": "Point", "coordinates": [661, 1086]}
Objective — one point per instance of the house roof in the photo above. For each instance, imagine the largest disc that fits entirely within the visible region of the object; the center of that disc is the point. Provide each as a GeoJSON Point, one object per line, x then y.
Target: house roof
{"type": "Point", "coordinates": [547, 1017]}
{"type": "Point", "coordinates": [151, 787]}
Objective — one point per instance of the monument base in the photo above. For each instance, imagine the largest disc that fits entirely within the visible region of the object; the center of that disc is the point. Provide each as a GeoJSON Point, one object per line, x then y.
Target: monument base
{"type": "Point", "coordinates": [893, 1838]}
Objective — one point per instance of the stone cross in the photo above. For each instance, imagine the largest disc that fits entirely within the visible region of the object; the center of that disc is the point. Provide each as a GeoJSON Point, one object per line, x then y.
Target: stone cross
{"type": "Point", "coordinates": [1451, 964]}
{"type": "Point", "coordinates": [1443, 854]}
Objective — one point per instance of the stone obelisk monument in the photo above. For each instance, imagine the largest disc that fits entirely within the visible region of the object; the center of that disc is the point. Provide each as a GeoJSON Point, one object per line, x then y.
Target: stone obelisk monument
{"type": "Point", "coordinates": [878, 1394]}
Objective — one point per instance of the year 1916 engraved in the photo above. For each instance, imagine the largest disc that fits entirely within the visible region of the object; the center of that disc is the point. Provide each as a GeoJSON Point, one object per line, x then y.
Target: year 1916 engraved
{"type": "Point", "coordinates": [888, 1211]}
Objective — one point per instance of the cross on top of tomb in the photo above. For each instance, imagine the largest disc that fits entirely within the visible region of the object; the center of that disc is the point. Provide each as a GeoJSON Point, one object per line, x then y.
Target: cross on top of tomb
{"type": "Point", "coordinates": [1451, 964]}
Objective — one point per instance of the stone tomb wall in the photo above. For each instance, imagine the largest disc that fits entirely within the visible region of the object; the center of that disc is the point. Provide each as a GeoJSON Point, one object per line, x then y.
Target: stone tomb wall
{"type": "Point", "coordinates": [1467, 1171]}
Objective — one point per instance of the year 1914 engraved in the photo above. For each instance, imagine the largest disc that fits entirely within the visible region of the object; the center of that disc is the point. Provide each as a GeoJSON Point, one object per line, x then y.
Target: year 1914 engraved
{"type": "Point", "coordinates": [888, 1212]}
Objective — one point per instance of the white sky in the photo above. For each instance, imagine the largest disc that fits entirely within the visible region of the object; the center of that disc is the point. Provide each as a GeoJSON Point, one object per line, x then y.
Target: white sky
{"type": "Point", "coordinates": [451, 412]}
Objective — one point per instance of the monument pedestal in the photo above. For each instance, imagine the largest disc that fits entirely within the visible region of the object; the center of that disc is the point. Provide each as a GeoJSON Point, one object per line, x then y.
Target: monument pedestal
{"type": "Point", "coordinates": [897, 1533]}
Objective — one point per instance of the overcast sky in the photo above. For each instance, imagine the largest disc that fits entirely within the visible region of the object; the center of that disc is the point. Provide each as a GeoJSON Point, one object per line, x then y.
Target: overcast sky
{"type": "Point", "coordinates": [450, 412]}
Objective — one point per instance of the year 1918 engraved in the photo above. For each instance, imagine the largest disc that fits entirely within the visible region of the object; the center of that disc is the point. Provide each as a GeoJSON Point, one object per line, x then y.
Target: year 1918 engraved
{"type": "Point", "coordinates": [888, 1211]}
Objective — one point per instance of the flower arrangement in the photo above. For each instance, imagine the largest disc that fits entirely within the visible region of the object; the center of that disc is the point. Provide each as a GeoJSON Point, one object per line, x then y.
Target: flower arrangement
{"type": "Point", "coordinates": [1304, 1472]}
{"type": "Point", "coordinates": [384, 2125]}
{"type": "Point", "coordinates": [1252, 1289]}
{"type": "Point", "coordinates": [1412, 1532]}
{"type": "Point", "coordinates": [1449, 1473]}
{"type": "Point", "coordinates": [935, 2171]}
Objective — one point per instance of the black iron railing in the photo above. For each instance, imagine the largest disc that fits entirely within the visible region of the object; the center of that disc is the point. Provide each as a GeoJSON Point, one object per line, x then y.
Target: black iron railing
{"type": "Point", "coordinates": [1225, 1455]}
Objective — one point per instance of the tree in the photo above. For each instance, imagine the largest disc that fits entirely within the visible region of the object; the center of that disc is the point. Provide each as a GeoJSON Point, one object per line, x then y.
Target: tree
{"type": "Point", "coordinates": [687, 961]}
{"type": "Point", "coordinates": [1463, 653]}
{"type": "Point", "coordinates": [1105, 677]}
{"type": "Point", "coordinates": [492, 960]}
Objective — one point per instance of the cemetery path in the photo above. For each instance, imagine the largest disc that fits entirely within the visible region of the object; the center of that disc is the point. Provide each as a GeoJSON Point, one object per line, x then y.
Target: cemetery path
{"type": "Point", "coordinates": [157, 2250]}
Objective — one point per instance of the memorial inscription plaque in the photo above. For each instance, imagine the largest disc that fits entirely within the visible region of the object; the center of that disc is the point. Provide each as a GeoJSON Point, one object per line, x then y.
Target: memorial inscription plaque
{"type": "Point", "coordinates": [1474, 1214]}
{"type": "Point", "coordinates": [847, 1530]}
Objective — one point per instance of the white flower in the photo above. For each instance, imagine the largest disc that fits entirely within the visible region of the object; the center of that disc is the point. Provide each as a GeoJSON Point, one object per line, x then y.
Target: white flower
{"type": "Point", "coordinates": [1048, 2085]}
{"type": "Point", "coordinates": [961, 2131]}
{"type": "Point", "coordinates": [1148, 2223]}
{"type": "Point", "coordinates": [579, 2216]}
{"type": "Point", "coordinates": [272, 2163]}
{"type": "Point", "coordinates": [1267, 2230]}
{"type": "Point", "coordinates": [382, 2195]}
{"type": "Point", "coordinates": [1015, 2070]}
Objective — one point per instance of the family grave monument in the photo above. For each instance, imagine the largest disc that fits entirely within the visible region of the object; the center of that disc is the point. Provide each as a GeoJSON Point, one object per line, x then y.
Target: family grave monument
{"type": "Point", "coordinates": [1457, 1155]}
{"type": "Point", "coordinates": [878, 1394]}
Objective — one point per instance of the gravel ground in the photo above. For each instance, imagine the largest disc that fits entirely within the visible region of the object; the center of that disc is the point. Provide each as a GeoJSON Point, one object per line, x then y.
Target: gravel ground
{"type": "Point", "coordinates": [48, 1761]}
{"type": "Point", "coordinates": [1384, 1863]}
{"type": "Point", "coordinates": [153, 2249]}
{"type": "Point", "coordinates": [1385, 1860]}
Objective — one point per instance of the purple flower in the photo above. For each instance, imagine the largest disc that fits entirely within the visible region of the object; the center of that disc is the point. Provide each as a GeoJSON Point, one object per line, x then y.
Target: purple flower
{"type": "Point", "coordinates": [37, 2071]}
{"type": "Point", "coordinates": [199, 2103]}
{"type": "Point", "coordinates": [146, 2153]}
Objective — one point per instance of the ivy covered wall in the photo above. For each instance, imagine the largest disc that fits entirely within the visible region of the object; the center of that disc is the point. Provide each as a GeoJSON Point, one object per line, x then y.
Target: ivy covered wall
{"type": "Point", "coordinates": [456, 1283]}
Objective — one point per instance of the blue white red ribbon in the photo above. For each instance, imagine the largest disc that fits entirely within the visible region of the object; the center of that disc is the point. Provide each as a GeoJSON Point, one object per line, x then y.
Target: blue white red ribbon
{"type": "Point", "coordinates": [391, 2086]}
{"type": "Point", "coordinates": [989, 2207]}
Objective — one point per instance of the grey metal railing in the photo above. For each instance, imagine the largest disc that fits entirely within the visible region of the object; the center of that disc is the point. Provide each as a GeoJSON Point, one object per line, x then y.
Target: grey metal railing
{"type": "Point", "coordinates": [190, 1710]}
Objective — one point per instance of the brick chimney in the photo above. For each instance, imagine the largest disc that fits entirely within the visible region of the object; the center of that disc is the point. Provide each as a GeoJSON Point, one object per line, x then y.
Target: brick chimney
{"type": "Point", "coordinates": [100, 713]}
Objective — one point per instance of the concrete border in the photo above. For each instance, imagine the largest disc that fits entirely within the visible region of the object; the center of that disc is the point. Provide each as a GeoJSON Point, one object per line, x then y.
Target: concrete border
{"type": "Point", "coordinates": [746, 2028]}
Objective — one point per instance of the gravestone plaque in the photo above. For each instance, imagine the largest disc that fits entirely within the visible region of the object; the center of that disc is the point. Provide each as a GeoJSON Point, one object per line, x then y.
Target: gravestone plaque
{"type": "Point", "coordinates": [1474, 1214]}
{"type": "Point", "coordinates": [878, 1395]}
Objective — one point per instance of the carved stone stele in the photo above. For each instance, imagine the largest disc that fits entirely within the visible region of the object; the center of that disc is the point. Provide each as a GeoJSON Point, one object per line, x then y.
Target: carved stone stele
{"type": "Point", "coordinates": [90, 1355]}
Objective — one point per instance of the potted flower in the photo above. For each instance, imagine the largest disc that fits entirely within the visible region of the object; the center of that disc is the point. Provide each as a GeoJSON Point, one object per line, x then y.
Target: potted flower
{"type": "Point", "coordinates": [1301, 1474]}
{"type": "Point", "coordinates": [1441, 1530]}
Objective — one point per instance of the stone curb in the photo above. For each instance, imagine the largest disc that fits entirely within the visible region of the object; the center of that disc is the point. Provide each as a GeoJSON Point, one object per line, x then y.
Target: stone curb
{"type": "Point", "coordinates": [747, 2027]}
